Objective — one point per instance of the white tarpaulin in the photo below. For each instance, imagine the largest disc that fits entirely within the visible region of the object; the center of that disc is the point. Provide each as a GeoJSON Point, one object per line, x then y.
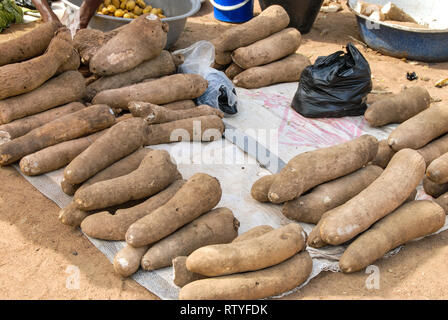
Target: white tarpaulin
{"type": "Point", "coordinates": [265, 117]}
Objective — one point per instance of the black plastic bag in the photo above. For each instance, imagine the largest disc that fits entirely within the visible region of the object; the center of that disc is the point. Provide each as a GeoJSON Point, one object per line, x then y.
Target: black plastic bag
{"type": "Point", "coordinates": [335, 86]}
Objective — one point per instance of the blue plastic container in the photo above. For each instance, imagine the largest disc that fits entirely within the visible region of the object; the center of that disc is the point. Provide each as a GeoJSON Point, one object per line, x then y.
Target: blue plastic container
{"type": "Point", "coordinates": [236, 11]}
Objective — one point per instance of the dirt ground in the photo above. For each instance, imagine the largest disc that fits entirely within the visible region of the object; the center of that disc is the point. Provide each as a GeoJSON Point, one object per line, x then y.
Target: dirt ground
{"type": "Point", "coordinates": [38, 255]}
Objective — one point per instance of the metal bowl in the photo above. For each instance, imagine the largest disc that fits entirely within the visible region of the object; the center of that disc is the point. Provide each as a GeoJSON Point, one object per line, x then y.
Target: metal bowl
{"type": "Point", "coordinates": [177, 12]}
{"type": "Point", "coordinates": [422, 44]}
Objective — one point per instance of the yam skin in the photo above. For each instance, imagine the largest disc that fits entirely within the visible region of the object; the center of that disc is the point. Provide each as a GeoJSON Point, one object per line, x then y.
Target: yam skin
{"type": "Point", "coordinates": [443, 201]}
{"type": "Point", "coordinates": [198, 195]}
{"type": "Point", "coordinates": [398, 107]}
{"type": "Point", "coordinates": [163, 65]}
{"type": "Point", "coordinates": [434, 189]}
{"type": "Point", "coordinates": [267, 250]}
{"type": "Point", "coordinates": [381, 197]}
{"type": "Point", "coordinates": [438, 169]}
{"type": "Point", "coordinates": [217, 226]}
{"type": "Point", "coordinates": [29, 45]}
{"type": "Point", "coordinates": [270, 49]}
{"type": "Point", "coordinates": [154, 114]}
{"type": "Point", "coordinates": [144, 39]}
{"type": "Point", "coordinates": [260, 188]}
{"type": "Point", "coordinates": [411, 221]}
{"type": "Point", "coordinates": [22, 77]}
{"type": "Point", "coordinates": [271, 20]}
{"type": "Point", "coordinates": [88, 41]}
{"type": "Point", "coordinates": [183, 276]}
{"type": "Point", "coordinates": [68, 87]}
{"type": "Point", "coordinates": [384, 154]}
{"type": "Point", "coordinates": [314, 238]}
{"type": "Point", "coordinates": [120, 168]}
{"type": "Point", "coordinates": [119, 141]}
{"type": "Point", "coordinates": [68, 188]}
{"type": "Point", "coordinates": [127, 260]}
{"type": "Point", "coordinates": [233, 70]}
{"type": "Point", "coordinates": [180, 105]}
{"type": "Point", "coordinates": [259, 284]}
{"type": "Point", "coordinates": [71, 215]}
{"type": "Point", "coordinates": [287, 69]}
{"type": "Point", "coordinates": [310, 207]}
{"type": "Point", "coordinates": [155, 173]}
{"type": "Point", "coordinates": [72, 63]}
{"type": "Point", "coordinates": [71, 126]}
{"type": "Point", "coordinates": [57, 156]}
{"type": "Point", "coordinates": [434, 149]}
{"type": "Point", "coordinates": [205, 128]}
{"type": "Point", "coordinates": [22, 126]}
{"type": "Point", "coordinates": [420, 129]}
{"type": "Point", "coordinates": [160, 91]}
{"type": "Point", "coordinates": [312, 168]}
{"type": "Point", "coordinates": [106, 226]}
{"type": "Point", "coordinates": [253, 233]}
{"type": "Point", "coordinates": [223, 58]}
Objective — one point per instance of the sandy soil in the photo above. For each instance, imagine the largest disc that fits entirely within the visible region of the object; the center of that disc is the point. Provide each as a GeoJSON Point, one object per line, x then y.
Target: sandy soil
{"type": "Point", "coordinates": [38, 253]}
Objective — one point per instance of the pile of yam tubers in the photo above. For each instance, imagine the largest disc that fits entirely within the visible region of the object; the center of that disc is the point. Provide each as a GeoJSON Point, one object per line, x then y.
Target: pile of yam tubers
{"type": "Point", "coordinates": [262, 51]}
{"type": "Point", "coordinates": [362, 192]}
{"type": "Point", "coordinates": [47, 120]}
{"type": "Point", "coordinates": [97, 123]}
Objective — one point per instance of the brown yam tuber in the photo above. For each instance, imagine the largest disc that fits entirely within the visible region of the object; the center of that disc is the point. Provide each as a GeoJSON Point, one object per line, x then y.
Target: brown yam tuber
{"type": "Point", "coordinates": [144, 39]}
{"type": "Point", "coordinates": [155, 173]}
{"type": "Point", "coordinates": [22, 77]}
{"type": "Point", "coordinates": [180, 105]}
{"type": "Point", "coordinates": [163, 65]}
{"type": "Point", "coordinates": [381, 197]}
{"type": "Point", "coordinates": [22, 126]}
{"type": "Point", "coordinates": [233, 70]}
{"type": "Point", "coordinates": [160, 91]}
{"type": "Point", "coordinates": [28, 45]}
{"type": "Point", "coordinates": [287, 69]}
{"type": "Point", "coordinates": [127, 260]}
{"type": "Point", "coordinates": [259, 284]}
{"type": "Point", "coordinates": [68, 87]}
{"type": "Point", "coordinates": [270, 49]}
{"type": "Point", "coordinates": [412, 220]}
{"type": "Point", "coordinates": [217, 226]}
{"type": "Point", "coordinates": [106, 226]}
{"type": "Point", "coordinates": [271, 20]}
{"type": "Point", "coordinates": [312, 168]}
{"type": "Point", "coordinates": [420, 129]}
{"type": "Point", "coordinates": [310, 207]}
{"type": "Point", "coordinates": [56, 156]}
{"type": "Point", "coordinates": [398, 107]}
{"type": "Point", "coordinates": [71, 126]}
{"type": "Point", "coordinates": [198, 195]}
{"type": "Point", "coordinates": [258, 253]}
{"type": "Point", "coordinates": [154, 114]}
{"type": "Point", "coordinates": [434, 149]}
{"type": "Point", "coordinates": [205, 128]}
{"type": "Point", "coordinates": [434, 189]}
{"type": "Point", "coordinates": [384, 154]}
{"type": "Point", "coordinates": [119, 141]}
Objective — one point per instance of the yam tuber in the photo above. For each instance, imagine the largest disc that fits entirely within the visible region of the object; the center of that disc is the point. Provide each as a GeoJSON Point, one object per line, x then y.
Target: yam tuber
{"type": "Point", "coordinates": [68, 87]}
{"type": "Point", "coordinates": [312, 168]}
{"type": "Point", "coordinates": [215, 227]}
{"type": "Point", "coordinates": [412, 220]}
{"type": "Point", "coordinates": [71, 126]}
{"type": "Point", "coordinates": [198, 195]}
{"type": "Point", "coordinates": [155, 173]}
{"type": "Point", "coordinates": [287, 69]}
{"type": "Point", "coordinates": [258, 253]}
{"type": "Point", "coordinates": [119, 141]}
{"type": "Point", "coordinates": [381, 197]}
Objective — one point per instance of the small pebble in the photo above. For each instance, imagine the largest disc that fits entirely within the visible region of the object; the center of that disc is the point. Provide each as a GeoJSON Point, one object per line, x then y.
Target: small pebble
{"type": "Point", "coordinates": [74, 253]}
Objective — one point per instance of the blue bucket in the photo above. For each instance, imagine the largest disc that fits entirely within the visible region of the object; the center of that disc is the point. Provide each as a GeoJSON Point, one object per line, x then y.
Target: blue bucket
{"type": "Point", "coordinates": [236, 11]}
